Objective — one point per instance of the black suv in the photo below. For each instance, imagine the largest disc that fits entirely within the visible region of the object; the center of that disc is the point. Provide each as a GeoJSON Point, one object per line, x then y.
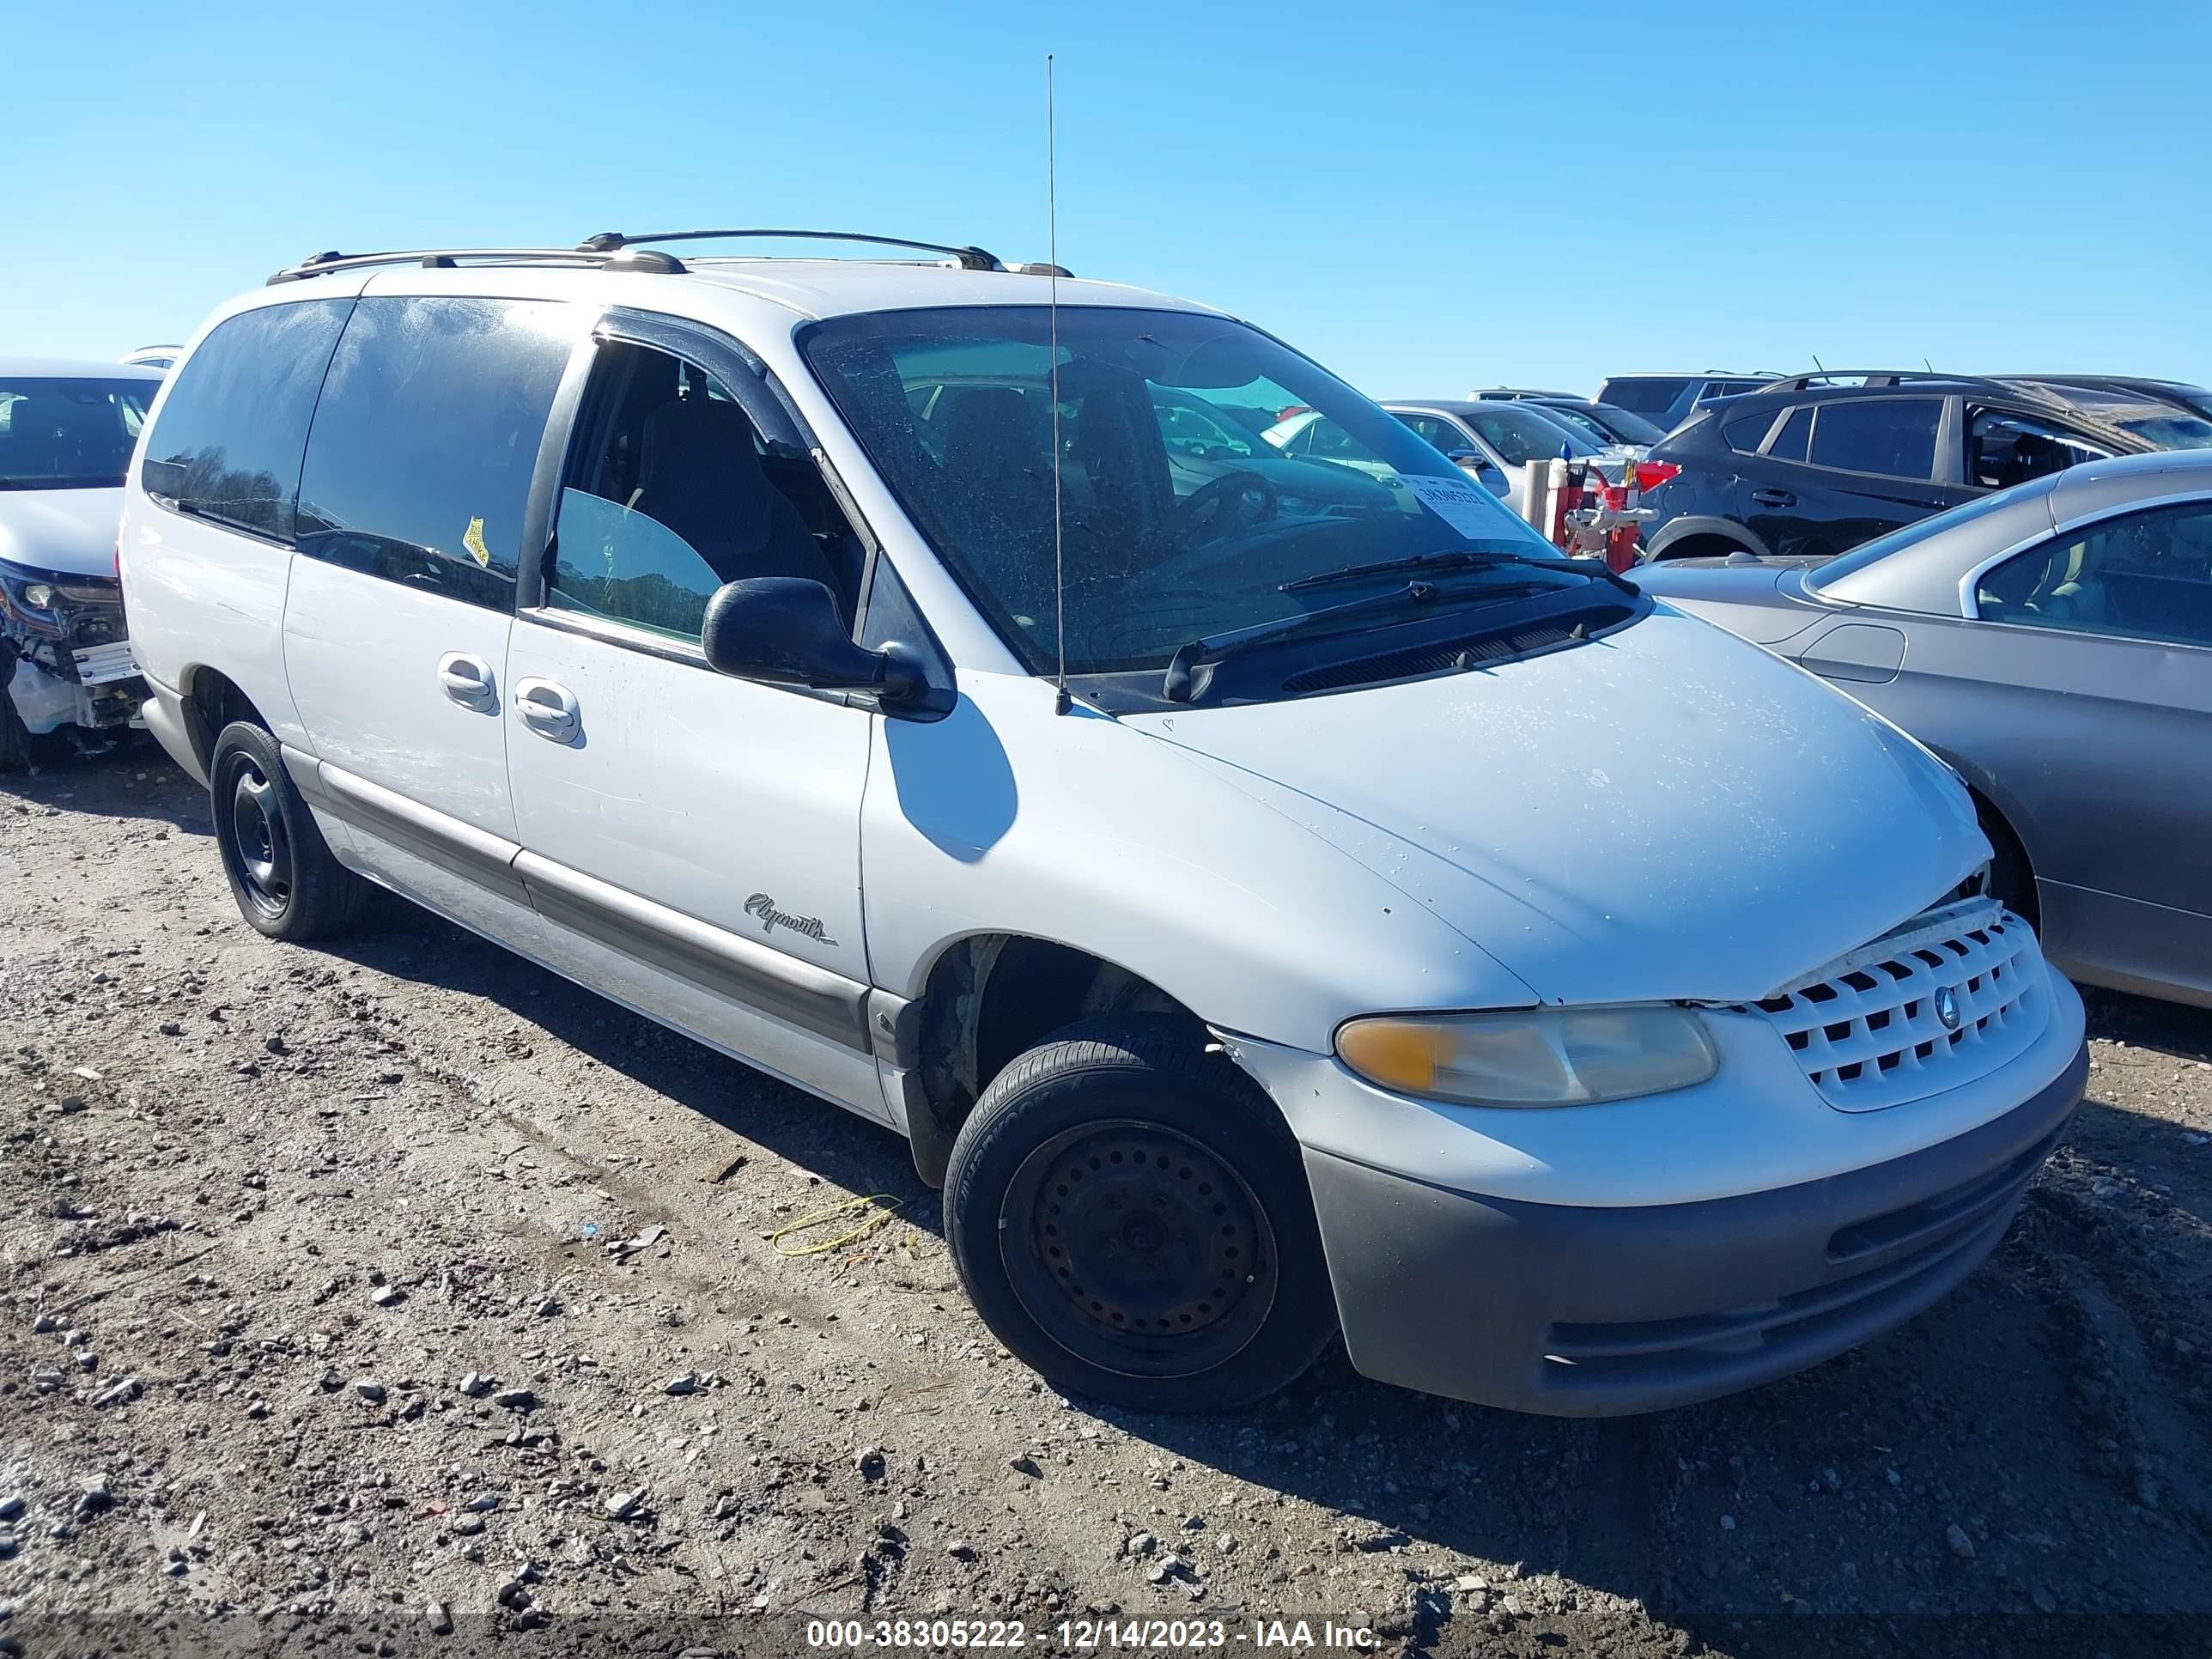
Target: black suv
{"type": "Point", "coordinates": [1811, 466]}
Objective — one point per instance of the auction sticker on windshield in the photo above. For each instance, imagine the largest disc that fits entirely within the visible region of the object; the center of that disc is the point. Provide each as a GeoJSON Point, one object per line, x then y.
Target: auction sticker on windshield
{"type": "Point", "coordinates": [1460, 502]}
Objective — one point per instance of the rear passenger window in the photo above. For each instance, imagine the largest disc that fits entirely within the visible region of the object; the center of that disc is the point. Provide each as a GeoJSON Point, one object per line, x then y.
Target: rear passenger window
{"type": "Point", "coordinates": [418, 470]}
{"type": "Point", "coordinates": [1789, 443]}
{"type": "Point", "coordinates": [1745, 434]}
{"type": "Point", "coordinates": [228, 442]}
{"type": "Point", "coordinates": [1894, 437]}
{"type": "Point", "coordinates": [1645, 397]}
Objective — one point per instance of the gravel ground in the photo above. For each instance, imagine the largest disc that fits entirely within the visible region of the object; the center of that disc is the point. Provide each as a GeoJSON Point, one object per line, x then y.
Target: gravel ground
{"type": "Point", "coordinates": [349, 1294]}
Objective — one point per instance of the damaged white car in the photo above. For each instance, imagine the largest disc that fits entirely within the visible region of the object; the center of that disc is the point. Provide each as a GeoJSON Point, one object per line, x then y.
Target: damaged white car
{"type": "Point", "coordinates": [66, 432]}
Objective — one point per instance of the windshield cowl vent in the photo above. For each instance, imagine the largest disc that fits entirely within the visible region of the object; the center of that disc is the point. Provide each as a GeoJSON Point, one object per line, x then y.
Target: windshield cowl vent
{"type": "Point", "coordinates": [1473, 650]}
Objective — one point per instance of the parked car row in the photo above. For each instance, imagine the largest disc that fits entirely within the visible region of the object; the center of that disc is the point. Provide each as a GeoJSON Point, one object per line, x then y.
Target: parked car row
{"type": "Point", "coordinates": [1814, 465]}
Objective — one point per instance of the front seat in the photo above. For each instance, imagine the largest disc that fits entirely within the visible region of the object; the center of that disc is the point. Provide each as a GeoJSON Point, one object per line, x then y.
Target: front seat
{"type": "Point", "coordinates": [700, 475]}
{"type": "Point", "coordinates": [997, 458]}
{"type": "Point", "coordinates": [2077, 596]}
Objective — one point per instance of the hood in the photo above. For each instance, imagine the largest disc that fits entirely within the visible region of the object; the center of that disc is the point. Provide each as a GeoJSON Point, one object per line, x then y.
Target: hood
{"type": "Point", "coordinates": [68, 532]}
{"type": "Point", "coordinates": [1755, 600]}
{"type": "Point", "coordinates": [1665, 813]}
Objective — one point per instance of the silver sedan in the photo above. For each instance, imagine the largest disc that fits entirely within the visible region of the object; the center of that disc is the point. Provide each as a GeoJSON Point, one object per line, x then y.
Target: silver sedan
{"type": "Point", "coordinates": [2054, 643]}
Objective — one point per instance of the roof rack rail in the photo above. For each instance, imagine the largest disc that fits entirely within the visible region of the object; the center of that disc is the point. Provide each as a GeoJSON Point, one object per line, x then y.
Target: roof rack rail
{"type": "Point", "coordinates": [971, 259]}
{"type": "Point", "coordinates": [449, 258]}
{"type": "Point", "coordinates": [1876, 377]}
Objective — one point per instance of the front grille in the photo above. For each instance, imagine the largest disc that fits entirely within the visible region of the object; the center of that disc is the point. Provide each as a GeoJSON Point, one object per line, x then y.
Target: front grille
{"type": "Point", "coordinates": [1868, 1032]}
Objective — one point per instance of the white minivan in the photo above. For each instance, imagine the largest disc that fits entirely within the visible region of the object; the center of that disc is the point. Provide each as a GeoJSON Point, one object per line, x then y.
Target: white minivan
{"type": "Point", "coordinates": [1273, 898]}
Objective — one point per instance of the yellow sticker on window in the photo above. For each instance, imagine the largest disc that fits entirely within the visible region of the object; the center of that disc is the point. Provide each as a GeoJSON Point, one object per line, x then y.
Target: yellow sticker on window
{"type": "Point", "coordinates": [473, 540]}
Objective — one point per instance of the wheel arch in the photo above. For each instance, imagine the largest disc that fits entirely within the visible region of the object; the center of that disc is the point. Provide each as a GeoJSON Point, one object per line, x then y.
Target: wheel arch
{"type": "Point", "coordinates": [212, 700]}
{"type": "Point", "coordinates": [1677, 538]}
{"type": "Point", "coordinates": [2000, 816]}
{"type": "Point", "coordinates": [987, 997]}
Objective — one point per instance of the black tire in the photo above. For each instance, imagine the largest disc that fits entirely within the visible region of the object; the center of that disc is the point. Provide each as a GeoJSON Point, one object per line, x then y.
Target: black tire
{"type": "Point", "coordinates": [288, 882]}
{"type": "Point", "coordinates": [1184, 1153]}
{"type": "Point", "coordinates": [15, 736]}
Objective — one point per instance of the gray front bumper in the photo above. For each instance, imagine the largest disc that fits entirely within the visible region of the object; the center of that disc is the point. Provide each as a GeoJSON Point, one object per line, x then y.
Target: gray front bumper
{"type": "Point", "coordinates": [1591, 1312]}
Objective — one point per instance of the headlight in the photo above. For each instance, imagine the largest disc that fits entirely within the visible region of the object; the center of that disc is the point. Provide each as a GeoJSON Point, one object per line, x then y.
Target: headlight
{"type": "Point", "coordinates": [38, 596]}
{"type": "Point", "coordinates": [1532, 1057]}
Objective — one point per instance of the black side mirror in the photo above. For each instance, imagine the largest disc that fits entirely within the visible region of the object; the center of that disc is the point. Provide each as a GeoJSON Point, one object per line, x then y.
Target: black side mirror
{"type": "Point", "coordinates": [786, 630]}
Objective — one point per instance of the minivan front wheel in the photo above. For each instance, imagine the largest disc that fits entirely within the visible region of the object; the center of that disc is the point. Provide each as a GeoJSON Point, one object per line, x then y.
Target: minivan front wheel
{"type": "Point", "coordinates": [288, 882]}
{"type": "Point", "coordinates": [1129, 1214]}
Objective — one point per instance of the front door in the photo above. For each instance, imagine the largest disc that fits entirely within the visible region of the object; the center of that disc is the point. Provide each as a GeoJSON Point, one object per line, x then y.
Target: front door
{"type": "Point", "coordinates": [412, 499]}
{"type": "Point", "coordinates": [2100, 640]}
{"type": "Point", "coordinates": [692, 840]}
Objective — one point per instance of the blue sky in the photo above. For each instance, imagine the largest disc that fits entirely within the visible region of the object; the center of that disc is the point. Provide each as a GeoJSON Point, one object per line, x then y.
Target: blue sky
{"type": "Point", "coordinates": [1393, 188]}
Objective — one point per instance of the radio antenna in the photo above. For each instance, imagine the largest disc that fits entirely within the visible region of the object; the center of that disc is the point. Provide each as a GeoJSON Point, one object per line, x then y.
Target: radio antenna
{"type": "Point", "coordinates": [1061, 700]}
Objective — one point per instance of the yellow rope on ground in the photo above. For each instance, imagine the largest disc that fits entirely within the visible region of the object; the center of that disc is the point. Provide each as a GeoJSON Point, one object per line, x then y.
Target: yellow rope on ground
{"type": "Point", "coordinates": [882, 1203]}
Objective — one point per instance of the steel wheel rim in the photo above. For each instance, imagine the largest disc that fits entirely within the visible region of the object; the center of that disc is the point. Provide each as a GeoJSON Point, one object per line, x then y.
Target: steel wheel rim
{"type": "Point", "coordinates": [1138, 1248]}
{"type": "Point", "coordinates": [260, 848]}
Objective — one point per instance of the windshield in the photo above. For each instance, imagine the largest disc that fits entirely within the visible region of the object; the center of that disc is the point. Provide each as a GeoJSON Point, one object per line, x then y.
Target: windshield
{"type": "Point", "coordinates": [2173, 430]}
{"type": "Point", "coordinates": [1202, 467]}
{"type": "Point", "coordinates": [1628, 426]}
{"type": "Point", "coordinates": [1521, 434]}
{"type": "Point", "coordinates": [62, 434]}
{"type": "Point", "coordinates": [1579, 421]}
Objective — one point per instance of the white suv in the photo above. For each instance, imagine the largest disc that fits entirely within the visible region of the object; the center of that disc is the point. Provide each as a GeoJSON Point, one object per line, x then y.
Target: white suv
{"type": "Point", "coordinates": [1324, 907]}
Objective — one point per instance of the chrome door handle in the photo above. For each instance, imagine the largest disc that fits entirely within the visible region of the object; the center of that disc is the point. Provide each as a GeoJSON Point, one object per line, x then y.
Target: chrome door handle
{"type": "Point", "coordinates": [467, 679]}
{"type": "Point", "coordinates": [548, 709]}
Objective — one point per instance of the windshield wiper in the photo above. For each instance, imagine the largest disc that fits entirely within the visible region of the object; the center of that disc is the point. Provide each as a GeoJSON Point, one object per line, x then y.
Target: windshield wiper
{"type": "Point", "coordinates": [1463, 559]}
{"type": "Point", "coordinates": [1179, 684]}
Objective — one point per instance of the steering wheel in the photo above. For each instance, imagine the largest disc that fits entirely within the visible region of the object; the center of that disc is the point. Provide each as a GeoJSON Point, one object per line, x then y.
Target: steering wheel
{"type": "Point", "coordinates": [1234, 500]}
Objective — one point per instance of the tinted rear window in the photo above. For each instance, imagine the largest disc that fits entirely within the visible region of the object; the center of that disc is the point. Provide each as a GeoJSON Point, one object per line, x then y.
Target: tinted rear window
{"type": "Point", "coordinates": [1746, 432]}
{"type": "Point", "coordinates": [1646, 396]}
{"type": "Point", "coordinates": [426, 440]}
{"type": "Point", "coordinates": [228, 441]}
{"type": "Point", "coordinates": [1892, 436]}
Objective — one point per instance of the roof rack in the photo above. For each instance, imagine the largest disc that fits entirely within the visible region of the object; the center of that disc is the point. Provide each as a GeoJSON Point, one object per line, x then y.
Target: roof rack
{"type": "Point", "coordinates": [1877, 377]}
{"type": "Point", "coordinates": [449, 258]}
{"type": "Point", "coordinates": [612, 249]}
{"type": "Point", "coordinates": [971, 259]}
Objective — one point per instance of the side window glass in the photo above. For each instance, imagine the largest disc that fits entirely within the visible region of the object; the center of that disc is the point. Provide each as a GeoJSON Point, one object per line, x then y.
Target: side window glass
{"type": "Point", "coordinates": [667, 497]}
{"type": "Point", "coordinates": [228, 444]}
{"type": "Point", "coordinates": [1789, 443]}
{"type": "Point", "coordinates": [2004, 449]}
{"type": "Point", "coordinates": [1744, 433]}
{"type": "Point", "coordinates": [2145, 575]}
{"type": "Point", "coordinates": [419, 465]}
{"type": "Point", "coordinates": [1645, 397]}
{"type": "Point", "coordinates": [1894, 437]}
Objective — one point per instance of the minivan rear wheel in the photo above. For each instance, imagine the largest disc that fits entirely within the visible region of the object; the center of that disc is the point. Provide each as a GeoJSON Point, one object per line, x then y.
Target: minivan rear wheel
{"type": "Point", "coordinates": [288, 882]}
{"type": "Point", "coordinates": [1129, 1214]}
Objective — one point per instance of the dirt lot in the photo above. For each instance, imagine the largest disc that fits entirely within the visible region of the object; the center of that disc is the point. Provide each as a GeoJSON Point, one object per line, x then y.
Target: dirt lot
{"type": "Point", "coordinates": [285, 1230]}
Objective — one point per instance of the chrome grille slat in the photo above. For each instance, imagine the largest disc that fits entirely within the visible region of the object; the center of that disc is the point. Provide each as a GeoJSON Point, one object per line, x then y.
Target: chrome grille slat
{"type": "Point", "coordinates": [1868, 1036]}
